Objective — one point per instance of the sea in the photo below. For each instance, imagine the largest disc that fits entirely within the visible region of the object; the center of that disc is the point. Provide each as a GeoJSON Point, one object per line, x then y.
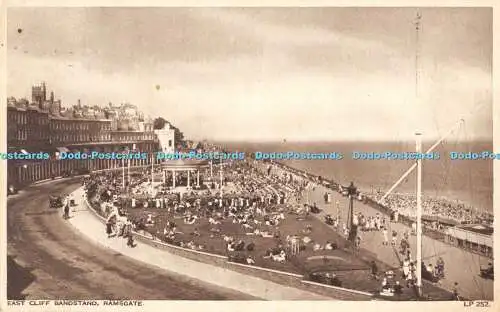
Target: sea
{"type": "Point", "coordinates": [466, 181]}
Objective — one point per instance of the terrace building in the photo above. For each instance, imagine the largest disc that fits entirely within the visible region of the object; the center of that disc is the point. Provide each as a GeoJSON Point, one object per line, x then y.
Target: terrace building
{"type": "Point", "coordinates": [45, 126]}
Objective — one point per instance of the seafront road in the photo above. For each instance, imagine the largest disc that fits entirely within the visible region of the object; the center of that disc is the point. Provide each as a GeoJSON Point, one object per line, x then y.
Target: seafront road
{"type": "Point", "coordinates": [460, 266]}
{"type": "Point", "coordinates": [54, 261]}
{"type": "Point", "coordinates": [74, 259]}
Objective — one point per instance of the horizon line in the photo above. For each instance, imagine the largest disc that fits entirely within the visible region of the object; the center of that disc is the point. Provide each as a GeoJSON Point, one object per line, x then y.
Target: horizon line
{"type": "Point", "coordinates": [406, 140]}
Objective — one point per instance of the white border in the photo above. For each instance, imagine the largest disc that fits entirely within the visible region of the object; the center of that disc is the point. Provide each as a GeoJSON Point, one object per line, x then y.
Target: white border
{"type": "Point", "coordinates": [233, 306]}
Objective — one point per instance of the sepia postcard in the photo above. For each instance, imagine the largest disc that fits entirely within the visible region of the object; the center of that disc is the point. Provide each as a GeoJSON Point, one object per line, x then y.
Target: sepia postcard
{"type": "Point", "coordinates": [216, 156]}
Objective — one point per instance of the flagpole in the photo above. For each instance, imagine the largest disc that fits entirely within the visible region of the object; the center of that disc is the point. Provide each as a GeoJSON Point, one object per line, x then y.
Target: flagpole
{"type": "Point", "coordinates": [459, 123]}
{"type": "Point", "coordinates": [419, 165]}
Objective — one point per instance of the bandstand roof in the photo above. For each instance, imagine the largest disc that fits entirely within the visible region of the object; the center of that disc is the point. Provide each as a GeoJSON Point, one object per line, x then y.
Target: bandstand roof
{"type": "Point", "coordinates": [184, 164]}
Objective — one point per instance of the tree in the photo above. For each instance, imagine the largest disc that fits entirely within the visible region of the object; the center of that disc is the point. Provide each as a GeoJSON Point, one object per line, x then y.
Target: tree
{"type": "Point", "coordinates": [159, 123]}
{"type": "Point", "coordinates": [179, 137]}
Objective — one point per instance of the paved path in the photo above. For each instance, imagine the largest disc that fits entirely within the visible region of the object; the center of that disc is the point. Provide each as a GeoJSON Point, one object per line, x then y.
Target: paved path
{"type": "Point", "coordinates": [49, 259]}
{"type": "Point", "coordinates": [460, 266]}
{"type": "Point", "coordinates": [90, 226]}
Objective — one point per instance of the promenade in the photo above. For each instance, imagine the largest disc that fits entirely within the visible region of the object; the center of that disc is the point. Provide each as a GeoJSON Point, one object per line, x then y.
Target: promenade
{"type": "Point", "coordinates": [91, 227]}
{"type": "Point", "coordinates": [460, 266]}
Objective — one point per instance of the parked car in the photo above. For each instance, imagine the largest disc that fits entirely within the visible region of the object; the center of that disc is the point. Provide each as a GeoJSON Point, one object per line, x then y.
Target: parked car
{"type": "Point", "coordinates": [429, 276]}
{"type": "Point", "coordinates": [55, 201]}
{"type": "Point", "coordinates": [487, 271]}
{"type": "Point", "coordinates": [11, 190]}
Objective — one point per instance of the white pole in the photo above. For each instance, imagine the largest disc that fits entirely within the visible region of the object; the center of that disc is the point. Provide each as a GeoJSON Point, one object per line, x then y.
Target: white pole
{"type": "Point", "coordinates": [211, 170]}
{"type": "Point", "coordinates": [128, 170]}
{"type": "Point", "coordinates": [417, 24]}
{"type": "Point", "coordinates": [419, 215]}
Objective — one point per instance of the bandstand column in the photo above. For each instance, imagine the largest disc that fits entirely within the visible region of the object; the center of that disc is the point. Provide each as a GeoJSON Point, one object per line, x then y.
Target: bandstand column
{"type": "Point", "coordinates": [198, 178]}
{"type": "Point", "coordinates": [173, 178]}
{"type": "Point", "coordinates": [189, 178]}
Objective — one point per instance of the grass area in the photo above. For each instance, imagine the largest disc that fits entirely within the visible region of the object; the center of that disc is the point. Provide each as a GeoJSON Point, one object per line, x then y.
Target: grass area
{"type": "Point", "coordinates": [351, 266]}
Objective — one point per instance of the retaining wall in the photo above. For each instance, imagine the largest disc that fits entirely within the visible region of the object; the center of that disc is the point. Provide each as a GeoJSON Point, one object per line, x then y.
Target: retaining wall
{"type": "Point", "coordinates": [280, 277]}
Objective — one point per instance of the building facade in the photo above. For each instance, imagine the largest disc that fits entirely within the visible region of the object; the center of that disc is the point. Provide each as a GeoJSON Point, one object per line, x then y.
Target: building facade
{"type": "Point", "coordinates": [43, 128]}
{"type": "Point", "coordinates": [166, 139]}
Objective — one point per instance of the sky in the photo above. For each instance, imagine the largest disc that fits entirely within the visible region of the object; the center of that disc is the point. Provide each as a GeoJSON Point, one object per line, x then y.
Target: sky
{"type": "Point", "coordinates": [265, 74]}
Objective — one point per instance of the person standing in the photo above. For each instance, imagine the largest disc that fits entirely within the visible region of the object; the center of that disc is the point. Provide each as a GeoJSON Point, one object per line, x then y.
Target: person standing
{"type": "Point", "coordinates": [455, 292]}
{"type": "Point", "coordinates": [394, 237]}
{"type": "Point", "coordinates": [406, 268]}
{"type": "Point", "coordinates": [386, 238]}
{"type": "Point", "coordinates": [66, 207]}
{"type": "Point", "coordinates": [374, 270]}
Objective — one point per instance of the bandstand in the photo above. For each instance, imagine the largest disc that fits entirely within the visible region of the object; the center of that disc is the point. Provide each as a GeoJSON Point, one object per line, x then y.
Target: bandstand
{"type": "Point", "coordinates": [188, 166]}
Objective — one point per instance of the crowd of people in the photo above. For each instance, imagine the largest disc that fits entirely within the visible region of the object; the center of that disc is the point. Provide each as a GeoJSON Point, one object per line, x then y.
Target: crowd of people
{"type": "Point", "coordinates": [255, 201]}
{"type": "Point", "coordinates": [435, 207]}
{"type": "Point", "coordinates": [245, 216]}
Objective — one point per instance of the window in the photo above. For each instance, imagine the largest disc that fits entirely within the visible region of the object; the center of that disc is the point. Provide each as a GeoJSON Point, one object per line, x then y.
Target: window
{"type": "Point", "coordinates": [169, 143]}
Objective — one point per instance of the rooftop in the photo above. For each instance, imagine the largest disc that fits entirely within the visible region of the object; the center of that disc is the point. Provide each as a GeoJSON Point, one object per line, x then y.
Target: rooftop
{"type": "Point", "coordinates": [477, 228]}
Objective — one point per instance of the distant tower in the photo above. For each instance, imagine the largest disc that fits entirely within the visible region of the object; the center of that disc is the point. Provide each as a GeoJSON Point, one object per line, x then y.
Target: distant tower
{"type": "Point", "coordinates": [52, 97]}
{"type": "Point", "coordinates": [39, 94]}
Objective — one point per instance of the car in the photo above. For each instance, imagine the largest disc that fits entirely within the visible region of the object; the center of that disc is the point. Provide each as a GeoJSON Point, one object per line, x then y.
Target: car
{"type": "Point", "coordinates": [487, 271]}
{"type": "Point", "coordinates": [12, 190]}
{"type": "Point", "coordinates": [55, 201]}
{"type": "Point", "coordinates": [429, 276]}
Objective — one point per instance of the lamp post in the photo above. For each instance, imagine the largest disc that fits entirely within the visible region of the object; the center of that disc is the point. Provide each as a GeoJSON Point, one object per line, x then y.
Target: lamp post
{"type": "Point", "coordinates": [353, 228]}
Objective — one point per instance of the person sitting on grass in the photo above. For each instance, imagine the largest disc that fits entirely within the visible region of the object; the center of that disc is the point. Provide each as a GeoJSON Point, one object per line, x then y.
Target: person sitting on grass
{"type": "Point", "coordinates": [213, 221]}
{"type": "Point", "coordinates": [281, 257]}
{"type": "Point", "coordinates": [330, 246]}
{"type": "Point", "coordinates": [195, 232]}
{"type": "Point", "coordinates": [190, 219]}
{"type": "Point", "coordinates": [240, 246]}
{"type": "Point", "coordinates": [250, 260]}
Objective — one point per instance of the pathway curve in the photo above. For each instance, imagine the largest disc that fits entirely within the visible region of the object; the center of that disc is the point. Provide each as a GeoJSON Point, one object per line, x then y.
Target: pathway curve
{"type": "Point", "coordinates": [49, 259]}
{"type": "Point", "coordinates": [90, 226]}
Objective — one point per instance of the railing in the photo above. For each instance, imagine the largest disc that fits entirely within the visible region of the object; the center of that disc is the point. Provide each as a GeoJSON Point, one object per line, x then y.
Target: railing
{"type": "Point", "coordinates": [429, 232]}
